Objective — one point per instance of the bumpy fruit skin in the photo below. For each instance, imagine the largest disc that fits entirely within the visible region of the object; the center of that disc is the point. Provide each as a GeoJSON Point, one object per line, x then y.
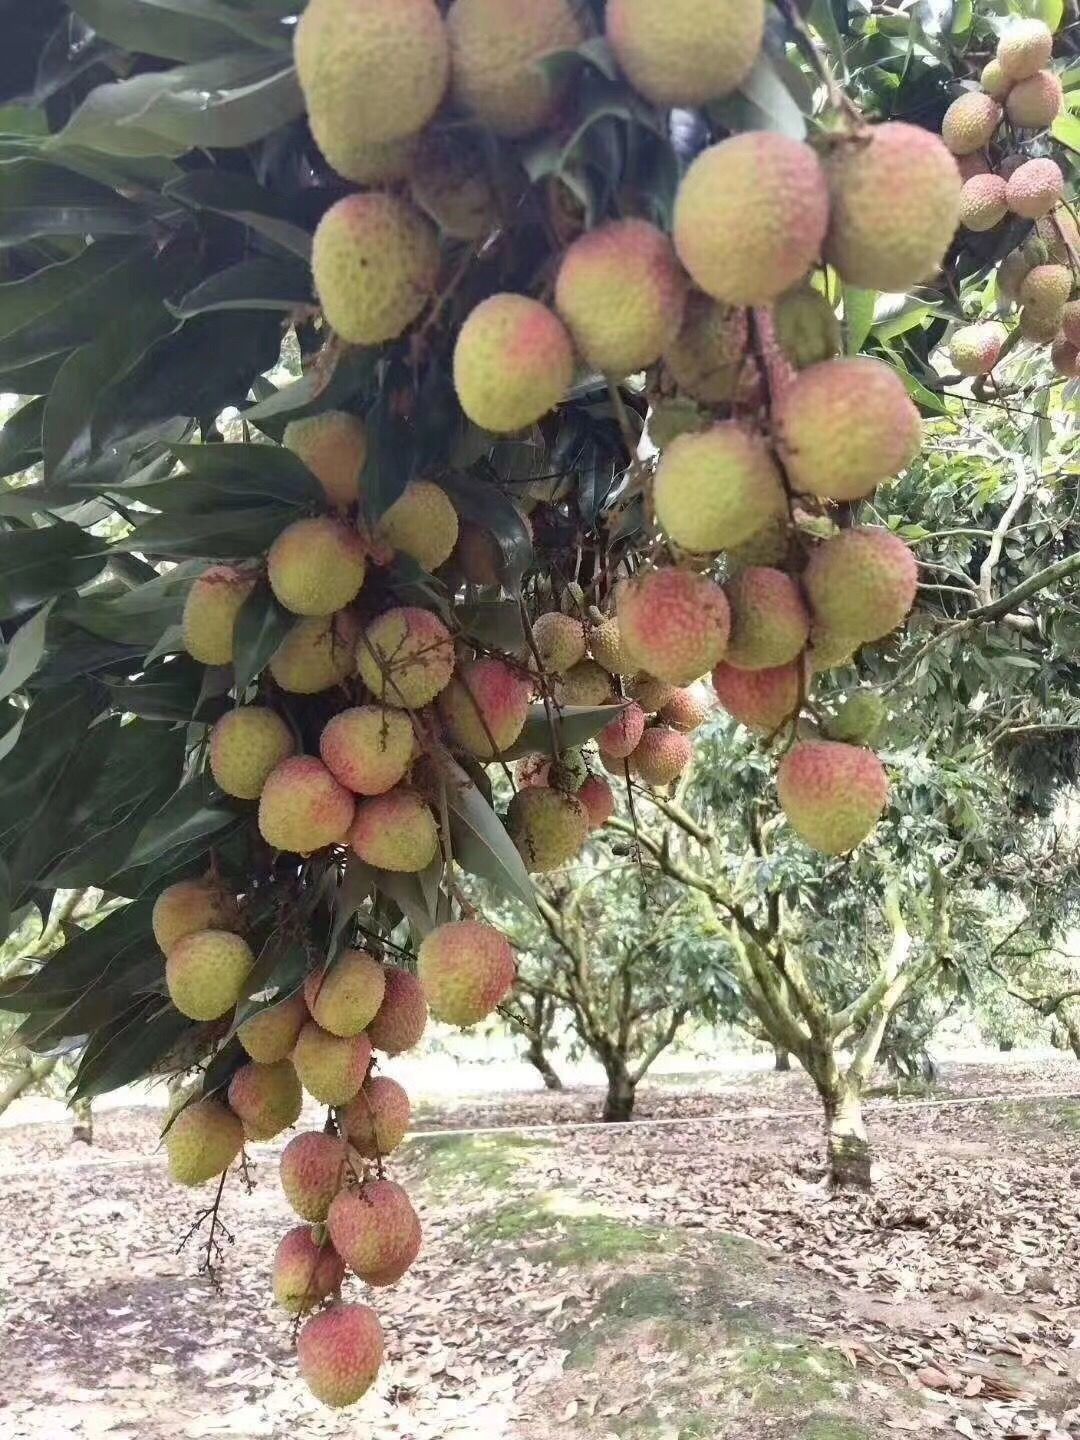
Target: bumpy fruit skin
{"type": "Point", "coordinates": [396, 832]}
{"type": "Point", "coordinates": [311, 1171]}
{"type": "Point", "coordinates": [650, 693]}
{"type": "Point", "coordinates": [548, 827]}
{"type": "Point", "coordinates": [203, 1140]}
{"type": "Point", "coordinates": [750, 217]}
{"type": "Point", "coordinates": [266, 1097]}
{"type": "Point", "coordinates": [331, 1067]}
{"type": "Point", "coordinates": [368, 748]}
{"type": "Point", "coordinates": [495, 48]}
{"type": "Point", "coordinates": [1065, 358]}
{"type": "Point", "coordinates": [661, 756]}
{"type": "Point", "coordinates": [421, 523]}
{"type": "Point", "coordinates": [1039, 325]}
{"type": "Point", "coordinates": [770, 624]}
{"type": "Point", "coordinates": [402, 1016]}
{"type": "Point", "coordinates": [686, 711]}
{"type": "Point", "coordinates": [449, 181]}
{"type": "Point", "coordinates": [1035, 189]}
{"type": "Point", "coordinates": [484, 708]}
{"type": "Point", "coordinates": [807, 329]}
{"type": "Point", "coordinates": [304, 1272]}
{"type": "Point", "coordinates": [862, 583]}
{"type": "Point", "coordinates": [833, 795]}
{"type": "Point", "coordinates": [716, 489]}
{"type": "Point", "coordinates": [994, 80]}
{"type": "Point", "coordinates": [983, 202]}
{"type": "Point", "coordinates": [271, 1034]}
{"type": "Point", "coordinates": [599, 800]}
{"type": "Point", "coordinates": [974, 349]}
{"type": "Point", "coordinates": [605, 646]}
{"type": "Point", "coordinates": [205, 973]}
{"type": "Point", "coordinates": [685, 52]}
{"type": "Point", "coordinates": [845, 426]}
{"type": "Point", "coordinates": [334, 448]}
{"type": "Point", "coordinates": [621, 293]}
{"type": "Point", "coordinates": [586, 684]}
{"type": "Point", "coordinates": [303, 808]}
{"type": "Point", "coordinates": [375, 260]}
{"type": "Point", "coordinates": [762, 700]}
{"type": "Point", "coordinates": [316, 654]}
{"type": "Point", "coordinates": [406, 657]}
{"type": "Point", "coordinates": [377, 1121]}
{"type": "Point", "coordinates": [513, 362]}
{"type": "Point", "coordinates": [379, 162]}
{"type": "Point", "coordinates": [560, 641]}
{"type": "Point", "coordinates": [1026, 47]}
{"type": "Point", "coordinates": [317, 566]}
{"type": "Point", "coordinates": [245, 745]}
{"type": "Point", "coordinates": [1036, 102]}
{"type": "Point", "coordinates": [674, 625]}
{"type": "Point", "coordinates": [344, 998]}
{"type": "Point", "coordinates": [859, 719]}
{"type": "Point", "coordinates": [970, 123]}
{"type": "Point", "coordinates": [189, 906]}
{"type": "Point", "coordinates": [373, 1227]}
{"type": "Point", "coordinates": [1047, 288]}
{"type": "Point", "coordinates": [895, 206]}
{"type": "Point", "coordinates": [466, 969]}
{"type": "Point", "coordinates": [340, 1351]}
{"type": "Point", "coordinates": [619, 739]}
{"type": "Point", "coordinates": [1070, 322]}
{"type": "Point", "coordinates": [709, 356]}
{"type": "Point", "coordinates": [210, 611]}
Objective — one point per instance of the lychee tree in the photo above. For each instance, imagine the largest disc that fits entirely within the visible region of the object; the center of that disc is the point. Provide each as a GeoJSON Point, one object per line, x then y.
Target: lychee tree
{"type": "Point", "coordinates": [266, 642]}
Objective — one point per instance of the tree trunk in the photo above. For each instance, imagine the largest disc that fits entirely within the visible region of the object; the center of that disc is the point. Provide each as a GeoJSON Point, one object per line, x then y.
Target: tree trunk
{"type": "Point", "coordinates": [538, 1059]}
{"type": "Point", "coordinates": [848, 1145]}
{"type": "Point", "coordinates": [783, 1059]}
{"type": "Point", "coordinates": [621, 1092]}
{"type": "Point", "coordinates": [82, 1129]}
{"type": "Point", "coordinates": [32, 1072]}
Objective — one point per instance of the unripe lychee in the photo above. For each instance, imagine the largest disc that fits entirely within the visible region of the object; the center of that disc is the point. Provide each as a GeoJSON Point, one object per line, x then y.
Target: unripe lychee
{"type": "Point", "coordinates": [974, 349]}
{"type": "Point", "coordinates": [376, 1122]}
{"type": "Point", "coordinates": [1011, 274]}
{"type": "Point", "coordinates": [497, 50]}
{"type": "Point", "coordinates": [312, 1168]}
{"type": "Point", "coordinates": [205, 973]}
{"type": "Point", "coordinates": [484, 708]}
{"type": "Point", "coordinates": [716, 489]}
{"type": "Point", "coordinates": [619, 739]}
{"type": "Point", "coordinates": [770, 624]}
{"type": "Point", "coordinates": [895, 206]}
{"type": "Point", "coordinates": [597, 797]}
{"type": "Point", "coordinates": [421, 523]}
{"type": "Point", "coordinates": [266, 1097]}
{"type": "Point", "coordinates": [661, 756]}
{"type": "Point", "coordinates": [270, 1034]}
{"type": "Point", "coordinates": [994, 80]}
{"type": "Point", "coordinates": [202, 1142]}
{"type": "Point", "coordinates": [449, 180]}
{"type": "Point", "coordinates": [587, 684]}
{"type": "Point", "coordinates": [651, 694]}
{"type": "Point", "coordinates": [845, 426]}
{"type": "Point", "coordinates": [331, 1067]}
{"type": "Point", "coordinates": [560, 641]}
{"type": "Point", "coordinates": [686, 711]}
{"type": "Point", "coordinates": [1026, 47]}
{"type": "Point", "coordinates": [685, 52]}
{"type": "Point", "coordinates": [304, 1272]}
{"type": "Point", "coordinates": [406, 657]}
{"type": "Point", "coordinates": [396, 832]}
{"type": "Point", "coordinates": [368, 748]}
{"type": "Point", "coordinates": [1035, 189]}
{"type": "Point", "coordinates": [983, 202]}
{"type": "Point", "coordinates": [213, 603]}
{"type": "Point", "coordinates": [1036, 102]}
{"type": "Point", "coordinates": [402, 1016]}
{"type": "Point", "coordinates": [466, 968]}
{"type": "Point", "coordinates": [674, 624]}
{"type": "Point", "coordinates": [334, 447]}
{"type": "Point", "coordinates": [316, 654]}
{"type": "Point", "coordinates": [245, 745]}
{"type": "Point", "coordinates": [303, 808]}
{"type": "Point", "coordinates": [1070, 322]}
{"type": "Point", "coordinates": [1041, 326]}
{"type": "Point", "coordinates": [1060, 233]}
{"type": "Point", "coordinates": [345, 997]}
{"type": "Point", "coordinates": [620, 292]}
{"type": "Point", "coordinates": [830, 649]}
{"type": "Point", "coordinates": [710, 354]}
{"type": "Point", "coordinates": [548, 827]}
{"type": "Point", "coordinates": [750, 217]}
{"type": "Point", "coordinates": [317, 566]}
{"type": "Point", "coordinates": [605, 646]}
{"type": "Point", "coordinates": [376, 162]}
{"type": "Point", "coordinates": [513, 362]}
{"type": "Point", "coordinates": [859, 719]}
{"type": "Point", "coordinates": [1047, 288]}
{"type": "Point", "coordinates": [762, 700]}
{"type": "Point", "coordinates": [340, 1351]}
{"type": "Point", "coordinates": [375, 259]}
{"type": "Point", "coordinates": [833, 795]}
{"type": "Point", "coordinates": [862, 582]}
{"type": "Point", "coordinates": [970, 123]}
{"type": "Point", "coordinates": [192, 905]}
{"type": "Point", "coordinates": [372, 1227]}
{"type": "Point", "coordinates": [806, 327]}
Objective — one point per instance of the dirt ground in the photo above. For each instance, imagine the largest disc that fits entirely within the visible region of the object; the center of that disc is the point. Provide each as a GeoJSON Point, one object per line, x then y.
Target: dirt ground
{"type": "Point", "coordinates": [671, 1282]}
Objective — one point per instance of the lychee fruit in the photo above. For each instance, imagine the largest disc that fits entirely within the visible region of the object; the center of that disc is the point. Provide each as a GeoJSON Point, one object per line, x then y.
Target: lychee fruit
{"type": "Point", "coordinates": [1065, 358]}
{"type": "Point", "coordinates": [305, 1272]}
{"type": "Point", "coordinates": [513, 362]}
{"type": "Point", "coordinates": [1036, 102]}
{"type": "Point", "coordinates": [806, 327]}
{"type": "Point", "coordinates": [686, 52]}
{"type": "Point", "coordinates": [376, 1122]}
{"type": "Point", "coordinates": [340, 1351]}
{"type": "Point", "coordinates": [983, 202]}
{"type": "Point", "coordinates": [605, 645]}
{"type": "Point", "coordinates": [716, 488]}
{"type": "Point", "coordinates": [449, 180]}
{"type": "Point", "coordinates": [1025, 47]}
{"type": "Point", "coordinates": [484, 708]}
{"type": "Point", "coordinates": [402, 1016]}
{"type": "Point", "coordinates": [316, 654]}
{"type": "Point", "coordinates": [303, 808]}
{"type": "Point", "coordinates": [368, 748]}
{"type": "Point", "coordinates": [830, 649]}
{"type": "Point", "coordinates": [710, 354]}
{"type": "Point", "coordinates": [266, 1097]}
{"type": "Point", "coordinates": [750, 217]}
{"type": "Point", "coordinates": [586, 685]}
{"type": "Point", "coordinates": [205, 973]}
{"type": "Point", "coordinates": [344, 997]}
{"type": "Point", "coordinates": [619, 739]}
{"type": "Point", "coordinates": [661, 756]}
{"type": "Point", "coordinates": [762, 700]}
{"type": "Point", "coordinates": [1041, 326]}
{"type": "Point", "coordinates": [859, 719]}
{"type": "Point", "coordinates": [862, 582]}
{"type": "Point", "coordinates": [1035, 189]}
{"type": "Point", "coordinates": [245, 745]}
{"type": "Point", "coordinates": [317, 566]}
{"type": "Point", "coordinates": [994, 80]}
{"type": "Point", "coordinates": [686, 711]}
{"type": "Point", "coordinates": [270, 1034]}
{"type": "Point", "coordinates": [406, 657]}
{"type": "Point", "coordinates": [376, 162]}
{"type": "Point", "coordinates": [467, 968]}
{"type": "Point", "coordinates": [213, 603]}
{"type": "Point", "coordinates": [832, 794]}
{"type": "Point", "coordinates": [651, 694]}
{"type": "Point", "coordinates": [548, 827]}
{"type": "Point", "coordinates": [372, 1227]}
{"type": "Point", "coordinates": [1046, 288]}
{"type": "Point", "coordinates": [192, 905]}
{"type": "Point", "coordinates": [972, 165]}
{"type": "Point", "coordinates": [974, 349]}
{"type": "Point", "coordinates": [770, 624]}
{"type": "Point", "coordinates": [312, 1169]}
{"type": "Point", "coordinates": [674, 624]}
{"type": "Point", "coordinates": [331, 1067]}
{"type": "Point", "coordinates": [560, 641]}
{"type": "Point", "coordinates": [334, 447]}
{"type": "Point", "coordinates": [1070, 322]}
{"type": "Point", "coordinates": [396, 832]}
{"type": "Point", "coordinates": [202, 1142]}
{"type": "Point", "coordinates": [599, 800]}
{"type": "Point", "coordinates": [970, 123]}
{"type": "Point", "coordinates": [421, 523]}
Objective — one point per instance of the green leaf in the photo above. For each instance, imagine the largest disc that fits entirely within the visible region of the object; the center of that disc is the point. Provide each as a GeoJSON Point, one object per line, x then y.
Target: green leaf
{"type": "Point", "coordinates": [169, 29]}
{"type": "Point", "coordinates": [119, 940]}
{"type": "Point", "coordinates": [22, 655]}
{"type": "Point", "coordinates": [260, 284]}
{"type": "Point", "coordinates": [196, 811]}
{"type": "Point", "coordinates": [484, 504]}
{"type": "Point", "coordinates": [20, 438]}
{"type": "Point", "coordinates": [494, 623]}
{"type": "Point", "coordinates": [859, 310]}
{"type": "Point", "coordinates": [1066, 130]}
{"type": "Point", "coordinates": [5, 902]}
{"type": "Point", "coordinates": [261, 627]}
{"type": "Point", "coordinates": [228, 535]}
{"type": "Point", "coordinates": [51, 731]}
{"type": "Point", "coordinates": [35, 565]}
{"type": "Point", "coordinates": [408, 892]}
{"type": "Point", "coordinates": [575, 726]}
{"type": "Point", "coordinates": [255, 471]}
{"type": "Point", "coordinates": [130, 1048]}
{"type": "Point", "coordinates": [480, 842]}
{"type": "Point", "coordinates": [38, 199]}
{"type": "Point", "coordinates": [244, 200]}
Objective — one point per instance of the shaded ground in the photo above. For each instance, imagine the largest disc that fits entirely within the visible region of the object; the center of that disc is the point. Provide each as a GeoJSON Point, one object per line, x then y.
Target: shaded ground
{"type": "Point", "coordinates": [690, 1283]}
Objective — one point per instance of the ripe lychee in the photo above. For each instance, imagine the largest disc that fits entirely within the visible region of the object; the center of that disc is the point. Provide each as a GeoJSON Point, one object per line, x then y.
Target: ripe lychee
{"type": "Point", "coordinates": [449, 180]}
{"type": "Point", "coordinates": [466, 968]}
{"type": "Point", "coordinates": [210, 611]}
{"type": "Point", "coordinates": [862, 582]}
{"type": "Point", "coordinates": [334, 447]}
{"type": "Point", "coordinates": [1036, 102]}
{"type": "Point", "coordinates": [587, 684]}
{"type": "Point", "coordinates": [406, 657]}
{"type": "Point", "coordinates": [316, 654]}
{"type": "Point", "coordinates": [305, 1272]}
{"type": "Point", "coordinates": [484, 708]}
{"type": "Point", "coordinates": [303, 808]}
{"type": "Point", "coordinates": [395, 831]}
{"type": "Point", "coordinates": [806, 327]}
{"type": "Point", "coordinates": [770, 624]}
{"type": "Point", "coordinates": [340, 1351]}
{"type": "Point", "coordinates": [1035, 189]}
{"type": "Point", "coordinates": [832, 794]}
{"type": "Point", "coordinates": [1042, 326]}
{"type": "Point", "coordinates": [421, 523]}
{"type": "Point", "coordinates": [202, 1142]}
{"type": "Point", "coordinates": [317, 566]}
{"type": "Point", "coordinates": [312, 1168]}
{"type": "Point", "coordinates": [605, 645]}
{"type": "Point", "coordinates": [983, 202]}
{"type": "Point", "coordinates": [270, 1034]}
{"type": "Point", "coordinates": [402, 1016]}
{"type": "Point", "coordinates": [750, 217]}
{"type": "Point", "coordinates": [716, 489]}
{"type": "Point", "coordinates": [266, 1097]}
{"type": "Point", "coordinates": [974, 349]}
{"type": "Point", "coordinates": [375, 259]}
{"type": "Point", "coordinates": [599, 800]}
{"type": "Point", "coordinates": [513, 362]}
{"type": "Point", "coordinates": [661, 756]}
{"type": "Point", "coordinates": [762, 700]}
{"type": "Point", "coordinates": [619, 739]}
{"type": "Point", "coordinates": [205, 973]}
{"type": "Point", "coordinates": [1070, 322]}
{"type": "Point", "coordinates": [560, 641]}
{"type": "Point", "coordinates": [710, 354]}
{"type": "Point", "coordinates": [192, 905]}
{"type": "Point", "coordinates": [686, 711]}
{"type": "Point", "coordinates": [245, 745]}
{"type": "Point", "coordinates": [331, 1067]}
{"type": "Point", "coordinates": [686, 52]}
{"type": "Point", "coordinates": [970, 123]}
{"type": "Point", "coordinates": [376, 1122]}
{"type": "Point", "coordinates": [368, 748]}
{"type": "Point", "coordinates": [376, 162]}
{"type": "Point", "coordinates": [674, 624]}
{"type": "Point", "coordinates": [372, 1227]}
{"type": "Point", "coordinates": [347, 995]}
{"type": "Point", "coordinates": [1026, 47]}
{"type": "Point", "coordinates": [1065, 358]}
{"type": "Point", "coordinates": [548, 827]}
{"type": "Point", "coordinates": [621, 291]}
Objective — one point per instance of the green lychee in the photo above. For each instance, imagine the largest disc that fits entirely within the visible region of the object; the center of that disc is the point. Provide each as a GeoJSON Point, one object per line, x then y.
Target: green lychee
{"type": "Point", "coordinates": [205, 973]}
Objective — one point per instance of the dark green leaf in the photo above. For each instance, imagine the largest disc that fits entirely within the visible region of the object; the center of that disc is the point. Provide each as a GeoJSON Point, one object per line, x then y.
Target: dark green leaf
{"type": "Point", "coordinates": [128, 1051]}
{"type": "Point", "coordinates": [575, 726]}
{"type": "Point", "coordinates": [260, 284]}
{"type": "Point", "coordinates": [229, 535]}
{"type": "Point", "coordinates": [194, 812]}
{"type": "Point", "coordinates": [35, 565]}
{"type": "Point", "coordinates": [20, 438]}
{"type": "Point", "coordinates": [480, 842]}
{"type": "Point", "coordinates": [244, 201]}
{"type": "Point", "coordinates": [170, 29]}
{"type": "Point", "coordinates": [23, 654]}
{"type": "Point", "coordinates": [261, 626]}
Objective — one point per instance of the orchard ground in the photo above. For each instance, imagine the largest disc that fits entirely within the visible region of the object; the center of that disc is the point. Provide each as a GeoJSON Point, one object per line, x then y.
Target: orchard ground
{"type": "Point", "coordinates": [657, 1283]}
